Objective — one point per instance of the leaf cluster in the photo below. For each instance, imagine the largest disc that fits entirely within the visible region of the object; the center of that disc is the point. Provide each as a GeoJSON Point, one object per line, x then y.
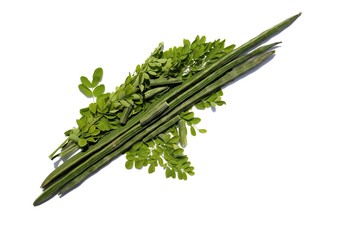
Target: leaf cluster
{"type": "Point", "coordinates": [92, 88]}
{"type": "Point", "coordinates": [160, 71]}
{"type": "Point", "coordinates": [163, 151]}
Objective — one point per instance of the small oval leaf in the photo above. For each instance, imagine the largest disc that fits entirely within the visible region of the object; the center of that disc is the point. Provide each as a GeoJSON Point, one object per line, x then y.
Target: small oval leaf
{"type": "Point", "coordinates": [193, 131]}
{"type": "Point", "coordinates": [86, 91]}
{"type": "Point", "coordinates": [85, 81]}
{"type": "Point", "coordinates": [82, 142]}
{"type": "Point", "coordinates": [129, 164]}
{"type": "Point", "coordinates": [151, 168]}
{"type": "Point", "coordinates": [97, 77]}
{"type": "Point", "coordinates": [202, 130]}
{"type": "Point", "coordinates": [99, 90]}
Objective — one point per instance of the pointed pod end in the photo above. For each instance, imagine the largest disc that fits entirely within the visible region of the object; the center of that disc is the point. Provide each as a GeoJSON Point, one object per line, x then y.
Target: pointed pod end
{"type": "Point", "coordinates": [295, 16]}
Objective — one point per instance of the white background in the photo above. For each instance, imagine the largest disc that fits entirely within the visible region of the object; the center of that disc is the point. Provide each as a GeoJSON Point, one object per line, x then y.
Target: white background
{"type": "Point", "coordinates": [281, 160]}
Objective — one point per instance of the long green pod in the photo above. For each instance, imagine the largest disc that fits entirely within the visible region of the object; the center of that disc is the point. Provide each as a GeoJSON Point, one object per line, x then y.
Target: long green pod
{"type": "Point", "coordinates": [104, 161]}
{"type": "Point", "coordinates": [190, 102]}
{"type": "Point", "coordinates": [182, 133]}
{"type": "Point", "coordinates": [116, 140]}
{"type": "Point", "coordinates": [230, 76]}
{"type": "Point", "coordinates": [170, 94]}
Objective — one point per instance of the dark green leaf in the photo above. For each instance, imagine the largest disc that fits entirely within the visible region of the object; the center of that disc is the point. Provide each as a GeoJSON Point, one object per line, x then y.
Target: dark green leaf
{"type": "Point", "coordinates": [99, 90]}
{"type": "Point", "coordinates": [86, 91]}
{"type": "Point", "coordinates": [85, 81]}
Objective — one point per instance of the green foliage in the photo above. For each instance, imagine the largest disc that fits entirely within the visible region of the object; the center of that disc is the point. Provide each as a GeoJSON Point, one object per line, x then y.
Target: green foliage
{"type": "Point", "coordinates": [213, 100]}
{"type": "Point", "coordinates": [167, 68]}
{"type": "Point", "coordinates": [163, 151]}
{"type": "Point", "coordinates": [91, 89]}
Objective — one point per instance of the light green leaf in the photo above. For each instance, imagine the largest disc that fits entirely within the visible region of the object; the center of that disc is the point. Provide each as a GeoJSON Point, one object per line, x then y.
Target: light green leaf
{"type": "Point", "coordinates": [91, 129]}
{"type": "Point", "coordinates": [124, 103]}
{"type": "Point", "coordinates": [184, 176]}
{"type": "Point", "coordinates": [74, 137]}
{"type": "Point", "coordinates": [174, 140]}
{"type": "Point", "coordinates": [82, 142]}
{"type": "Point", "coordinates": [188, 116]}
{"type": "Point", "coordinates": [101, 104]}
{"type": "Point", "coordinates": [85, 81]}
{"type": "Point", "coordinates": [220, 103]}
{"type": "Point", "coordinates": [139, 164]}
{"type": "Point", "coordinates": [91, 139]}
{"type": "Point", "coordinates": [168, 172]}
{"type": "Point", "coordinates": [104, 124]}
{"type": "Point", "coordinates": [178, 152]}
{"type": "Point", "coordinates": [81, 122]}
{"type": "Point", "coordinates": [93, 108]}
{"type": "Point", "coordinates": [145, 75]}
{"type": "Point", "coordinates": [193, 131]}
{"type": "Point", "coordinates": [97, 77]}
{"type": "Point", "coordinates": [99, 90]}
{"type": "Point", "coordinates": [128, 89]}
{"type": "Point", "coordinates": [129, 164]}
{"type": "Point", "coordinates": [151, 168]}
{"type": "Point", "coordinates": [136, 146]}
{"type": "Point", "coordinates": [202, 130]}
{"type": "Point", "coordinates": [86, 91]}
{"type": "Point", "coordinates": [195, 120]}
{"type": "Point", "coordinates": [95, 132]}
{"type": "Point", "coordinates": [180, 174]}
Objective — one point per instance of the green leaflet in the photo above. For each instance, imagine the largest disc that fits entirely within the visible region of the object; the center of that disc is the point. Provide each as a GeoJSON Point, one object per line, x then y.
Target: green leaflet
{"type": "Point", "coordinates": [97, 77]}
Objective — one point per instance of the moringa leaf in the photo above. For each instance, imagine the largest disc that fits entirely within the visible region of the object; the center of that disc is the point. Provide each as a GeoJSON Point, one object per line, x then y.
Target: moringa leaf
{"type": "Point", "coordinates": [151, 168]}
{"type": "Point", "coordinates": [93, 108]}
{"type": "Point", "coordinates": [99, 90]}
{"type": "Point", "coordinates": [193, 131]}
{"type": "Point", "coordinates": [195, 120]}
{"type": "Point", "coordinates": [86, 91]}
{"type": "Point", "coordinates": [82, 142]}
{"type": "Point", "coordinates": [85, 81]}
{"type": "Point", "coordinates": [97, 77]}
{"type": "Point", "coordinates": [129, 164]}
{"type": "Point", "coordinates": [202, 130]}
